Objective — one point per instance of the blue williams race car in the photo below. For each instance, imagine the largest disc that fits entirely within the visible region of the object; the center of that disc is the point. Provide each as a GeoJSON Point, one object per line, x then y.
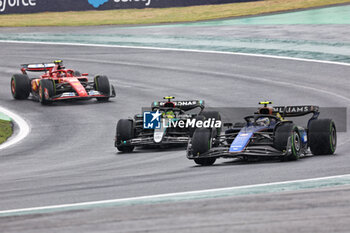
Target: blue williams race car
{"type": "Point", "coordinates": [266, 133]}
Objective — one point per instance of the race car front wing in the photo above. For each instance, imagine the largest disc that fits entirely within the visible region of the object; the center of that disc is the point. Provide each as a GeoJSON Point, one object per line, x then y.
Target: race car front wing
{"type": "Point", "coordinates": [74, 95]}
{"type": "Point", "coordinates": [167, 140]}
{"type": "Point", "coordinates": [216, 152]}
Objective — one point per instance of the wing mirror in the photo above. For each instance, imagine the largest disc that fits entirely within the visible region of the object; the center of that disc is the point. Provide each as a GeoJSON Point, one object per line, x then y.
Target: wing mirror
{"type": "Point", "coordinates": [84, 74]}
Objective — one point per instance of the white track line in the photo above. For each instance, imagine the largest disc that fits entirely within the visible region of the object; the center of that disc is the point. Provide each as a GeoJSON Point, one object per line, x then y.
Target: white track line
{"type": "Point", "coordinates": [168, 197]}
{"type": "Point", "coordinates": [24, 128]}
{"type": "Point", "coordinates": [175, 49]}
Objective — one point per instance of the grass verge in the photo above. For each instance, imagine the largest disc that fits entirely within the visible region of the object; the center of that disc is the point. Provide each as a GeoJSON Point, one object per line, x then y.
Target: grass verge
{"type": "Point", "coordinates": [5, 130]}
{"type": "Point", "coordinates": [154, 15]}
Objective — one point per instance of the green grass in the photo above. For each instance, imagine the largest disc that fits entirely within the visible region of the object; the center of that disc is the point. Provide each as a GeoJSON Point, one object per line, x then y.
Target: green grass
{"type": "Point", "coordinates": [5, 130]}
{"type": "Point", "coordinates": [153, 15]}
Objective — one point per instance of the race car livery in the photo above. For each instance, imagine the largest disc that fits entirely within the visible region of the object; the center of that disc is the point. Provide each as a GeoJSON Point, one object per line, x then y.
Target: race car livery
{"type": "Point", "coordinates": [58, 83]}
{"type": "Point", "coordinates": [266, 134]}
{"type": "Point", "coordinates": [170, 128]}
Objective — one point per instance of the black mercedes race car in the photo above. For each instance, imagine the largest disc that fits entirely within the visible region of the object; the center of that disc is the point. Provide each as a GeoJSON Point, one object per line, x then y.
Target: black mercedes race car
{"type": "Point", "coordinates": [168, 123]}
{"type": "Point", "coordinates": [266, 134]}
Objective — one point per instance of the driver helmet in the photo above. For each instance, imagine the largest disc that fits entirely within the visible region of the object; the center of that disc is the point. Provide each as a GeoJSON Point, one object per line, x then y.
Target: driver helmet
{"type": "Point", "coordinates": [263, 121]}
{"type": "Point", "coordinates": [61, 74]}
{"type": "Point", "coordinates": [170, 114]}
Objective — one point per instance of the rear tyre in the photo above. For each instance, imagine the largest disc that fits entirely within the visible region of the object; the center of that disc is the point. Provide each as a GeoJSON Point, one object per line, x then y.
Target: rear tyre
{"type": "Point", "coordinates": [102, 85]}
{"type": "Point", "coordinates": [20, 86]}
{"type": "Point", "coordinates": [322, 137]}
{"type": "Point", "coordinates": [125, 132]}
{"type": "Point", "coordinates": [201, 143]}
{"type": "Point", "coordinates": [282, 134]}
{"type": "Point", "coordinates": [46, 91]}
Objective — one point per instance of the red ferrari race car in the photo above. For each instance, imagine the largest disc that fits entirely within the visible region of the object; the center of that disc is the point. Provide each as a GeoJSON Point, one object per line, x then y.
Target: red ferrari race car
{"type": "Point", "coordinates": [58, 83]}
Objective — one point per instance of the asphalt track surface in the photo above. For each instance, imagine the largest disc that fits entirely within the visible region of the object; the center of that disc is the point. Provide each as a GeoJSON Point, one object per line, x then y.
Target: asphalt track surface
{"type": "Point", "coordinates": [69, 155]}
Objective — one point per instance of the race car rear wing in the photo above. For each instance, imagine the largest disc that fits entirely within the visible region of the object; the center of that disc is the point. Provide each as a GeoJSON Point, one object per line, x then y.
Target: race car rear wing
{"type": "Point", "coordinates": [296, 111]}
{"type": "Point", "coordinates": [39, 67]}
{"type": "Point", "coordinates": [184, 105]}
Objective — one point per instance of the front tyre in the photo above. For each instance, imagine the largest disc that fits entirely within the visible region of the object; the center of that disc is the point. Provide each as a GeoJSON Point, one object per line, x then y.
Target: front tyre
{"type": "Point", "coordinates": [214, 116]}
{"type": "Point", "coordinates": [102, 85]}
{"type": "Point", "coordinates": [46, 91]}
{"type": "Point", "coordinates": [322, 137]}
{"type": "Point", "coordinates": [125, 132]}
{"type": "Point", "coordinates": [296, 145]}
{"type": "Point", "coordinates": [193, 129]}
{"type": "Point", "coordinates": [201, 143]}
{"type": "Point", "coordinates": [20, 86]}
{"type": "Point", "coordinates": [283, 133]}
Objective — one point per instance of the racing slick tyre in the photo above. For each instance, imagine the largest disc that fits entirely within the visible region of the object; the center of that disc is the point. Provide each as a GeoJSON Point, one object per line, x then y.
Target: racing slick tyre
{"type": "Point", "coordinates": [125, 131]}
{"type": "Point", "coordinates": [20, 86]}
{"type": "Point", "coordinates": [201, 143]}
{"type": "Point", "coordinates": [46, 91]}
{"type": "Point", "coordinates": [214, 116]}
{"type": "Point", "coordinates": [322, 137]}
{"type": "Point", "coordinates": [102, 85]}
{"type": "Point", "coordinates": [192, 129]}
{"type": "Point", "coordinates": [282, 134]}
